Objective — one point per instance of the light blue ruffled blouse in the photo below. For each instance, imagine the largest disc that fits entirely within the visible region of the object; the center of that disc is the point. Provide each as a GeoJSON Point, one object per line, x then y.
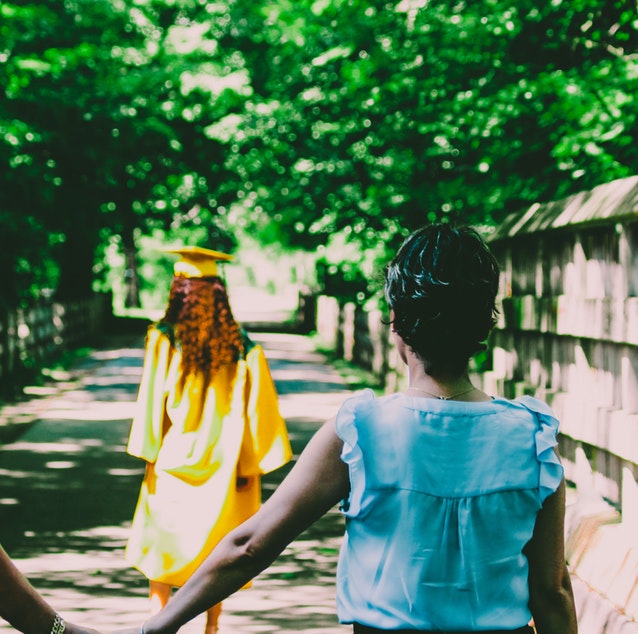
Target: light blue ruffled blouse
{"type": "Point", "coordinates": [444, 496]}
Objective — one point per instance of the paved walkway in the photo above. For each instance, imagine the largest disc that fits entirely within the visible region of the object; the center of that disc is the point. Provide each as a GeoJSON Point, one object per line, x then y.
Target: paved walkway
{"type": "Point", "coordinates": [68, 490]}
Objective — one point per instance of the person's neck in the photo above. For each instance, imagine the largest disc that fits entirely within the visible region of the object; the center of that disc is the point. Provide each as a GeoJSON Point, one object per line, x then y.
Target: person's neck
{"type": "Point", "coordinates": [442, 389]}
{"type": "Point", "coordinates": [441, 386]}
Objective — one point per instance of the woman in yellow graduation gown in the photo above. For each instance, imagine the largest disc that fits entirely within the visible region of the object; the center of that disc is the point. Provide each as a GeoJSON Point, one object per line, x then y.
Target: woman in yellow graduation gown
{"type": "Point", "coordinates": [208, 426]}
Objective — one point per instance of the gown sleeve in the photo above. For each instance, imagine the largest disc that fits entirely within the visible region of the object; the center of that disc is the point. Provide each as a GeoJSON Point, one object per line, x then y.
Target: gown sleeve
{"type": "Point", "coordinates": [266, 445]}
{"type": "Point", "coordinates": [145, 437]}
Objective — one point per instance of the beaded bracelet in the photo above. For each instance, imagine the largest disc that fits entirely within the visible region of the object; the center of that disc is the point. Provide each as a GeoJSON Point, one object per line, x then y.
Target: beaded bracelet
{"type": "Point", "coordinates": [59, 625]}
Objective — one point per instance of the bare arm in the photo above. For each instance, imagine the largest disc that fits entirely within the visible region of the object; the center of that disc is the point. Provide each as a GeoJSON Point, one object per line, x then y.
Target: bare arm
{"type": "Point", "coordinates": [316, 483]}
{"type": "Point", "coordinates": [22, 606]}
{"type": "Point", "coordinates": [551, 598]}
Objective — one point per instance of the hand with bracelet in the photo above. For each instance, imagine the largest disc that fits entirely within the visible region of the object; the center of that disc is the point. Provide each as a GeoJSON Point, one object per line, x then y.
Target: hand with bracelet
{"type": "Point", "coordinates": [25, 609]}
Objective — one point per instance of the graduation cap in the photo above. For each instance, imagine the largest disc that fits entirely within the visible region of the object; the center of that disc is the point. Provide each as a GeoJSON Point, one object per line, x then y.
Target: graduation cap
{"type": "Point", "coordinates": [197, 261]}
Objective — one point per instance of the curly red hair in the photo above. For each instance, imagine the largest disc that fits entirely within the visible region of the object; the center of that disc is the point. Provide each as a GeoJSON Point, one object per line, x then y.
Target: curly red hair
{"type": "Point", "coordinates": [203, 325]}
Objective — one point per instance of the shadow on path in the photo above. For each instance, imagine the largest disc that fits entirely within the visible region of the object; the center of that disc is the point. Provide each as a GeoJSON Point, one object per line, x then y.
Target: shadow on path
{"type": "Point", "coordinates": [68, 490]}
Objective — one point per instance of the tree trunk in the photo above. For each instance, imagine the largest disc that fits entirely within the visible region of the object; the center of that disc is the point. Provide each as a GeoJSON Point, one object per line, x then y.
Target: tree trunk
{"type": "Point", "coordinates": [131, 272]}
{"type": "Point", "coordinates": [76, 258]}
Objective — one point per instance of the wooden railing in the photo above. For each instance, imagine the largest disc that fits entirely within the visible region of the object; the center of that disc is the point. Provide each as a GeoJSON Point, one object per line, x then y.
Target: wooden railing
{"type": "Point", "coordinates": [31, 336]}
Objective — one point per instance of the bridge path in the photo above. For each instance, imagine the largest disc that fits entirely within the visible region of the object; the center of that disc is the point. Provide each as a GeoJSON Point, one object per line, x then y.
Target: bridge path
{"type": "Point", "coordinates": [68, 490]}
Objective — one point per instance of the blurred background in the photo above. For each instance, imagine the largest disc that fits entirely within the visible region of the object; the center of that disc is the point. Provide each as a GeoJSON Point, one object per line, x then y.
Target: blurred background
{"type": "Point", "coordinates": [304, 137]}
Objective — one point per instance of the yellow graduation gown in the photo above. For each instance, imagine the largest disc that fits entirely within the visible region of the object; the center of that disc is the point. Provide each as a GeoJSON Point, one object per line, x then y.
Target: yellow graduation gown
{"type": "Point", "coordinates": [197, 439]}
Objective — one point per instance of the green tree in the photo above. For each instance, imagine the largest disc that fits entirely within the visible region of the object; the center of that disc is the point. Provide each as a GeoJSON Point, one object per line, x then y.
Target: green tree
{"type": "Point", "coordinates": [307, 124]}
{"type": "Point", "coordinates": [429, 111]}
{"type": "Point", "coordinates": [104, 122]}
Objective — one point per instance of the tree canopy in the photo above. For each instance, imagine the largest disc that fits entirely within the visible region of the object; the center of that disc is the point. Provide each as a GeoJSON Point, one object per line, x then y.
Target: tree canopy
{"type": "Point", "coordinates": [305, 123]}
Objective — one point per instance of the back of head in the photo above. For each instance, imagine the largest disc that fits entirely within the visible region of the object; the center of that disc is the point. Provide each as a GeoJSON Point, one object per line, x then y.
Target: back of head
{"type": "Point", "coordinates": [441, 287]}
{"type": "Point", "coordinates": [202, 323]}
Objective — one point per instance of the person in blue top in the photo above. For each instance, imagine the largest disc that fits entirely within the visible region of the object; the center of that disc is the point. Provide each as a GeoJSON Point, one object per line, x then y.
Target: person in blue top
{"type": "Point", "coordinates": [454, 500]}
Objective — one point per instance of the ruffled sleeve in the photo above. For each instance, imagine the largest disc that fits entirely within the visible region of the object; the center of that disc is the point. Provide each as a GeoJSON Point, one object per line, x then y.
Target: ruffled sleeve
{"type": "Point", "coordinates": [346, 429]}
{"type": "Point", "coordinates": [551, 470]}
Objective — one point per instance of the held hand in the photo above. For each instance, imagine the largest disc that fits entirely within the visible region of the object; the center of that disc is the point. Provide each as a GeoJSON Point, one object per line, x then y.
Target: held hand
{"type": "Point", "coordinates": [72, 628]}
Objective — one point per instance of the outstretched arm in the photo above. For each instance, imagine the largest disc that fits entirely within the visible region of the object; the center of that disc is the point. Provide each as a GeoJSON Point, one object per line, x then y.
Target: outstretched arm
{"type": "Point", "coordinates": [23, 607]}
{"type": "Point", "coordinates": [20, 604]}
{"type": "Point", "coordinates": [551, 599]}
{"type": "Point", "coordinates": [316, 483]}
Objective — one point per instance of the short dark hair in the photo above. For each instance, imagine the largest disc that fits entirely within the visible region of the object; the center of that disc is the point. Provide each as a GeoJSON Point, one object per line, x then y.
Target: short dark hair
{"type": "Point", "coordinates": [441, 287]}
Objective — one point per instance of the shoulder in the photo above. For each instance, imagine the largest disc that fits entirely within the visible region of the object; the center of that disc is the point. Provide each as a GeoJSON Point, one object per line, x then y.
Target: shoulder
{"type": "Point", "coordinates": [542, 414]}
{"type": "Point", "coordinates": [534, 405]}
{"type": "Point", "coordinates": [356, 402]}
{"type": "Point", "coordinates": [161, 330]}
{"type": "Point", "coordinates": [349, 411]}
{"type": "Point", "coordinates": [358, 411]}
{"type": "Point", "coordinates": [160, 337]}
{"type": "Point", "coordinates": [248, 343]}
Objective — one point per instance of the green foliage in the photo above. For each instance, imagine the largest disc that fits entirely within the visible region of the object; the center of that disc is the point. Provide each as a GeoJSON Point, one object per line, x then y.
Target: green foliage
{"type": "Point", "coordinates": [343, 279]}
{"type": "Point", "coordinates": [462, 111]}
{"type": "Point", "coordinates": [103, 127]}
{"type": "Point", "coordinates": [322, 125]}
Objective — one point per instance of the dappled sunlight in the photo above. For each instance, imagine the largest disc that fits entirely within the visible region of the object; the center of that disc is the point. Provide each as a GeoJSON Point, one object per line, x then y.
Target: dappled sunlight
{"type": "Point", "coordinates": [279, 346]}
{"type": "Point", "coordinates": [307, 377]}
{"type": "Point", "coordinates": [276, 341]}
{"type": "Point", "coordinates": [92, 583]}
{"type": "Point", "coordinates": [120, 532]}
{"type": "Point", "coordinates": [125, 473]}
{"type": "Point", "coordinates": [310, 374]}
{"type": "Point", "coordinates": [44, 448]}
{"type": "Point", "coordinates": [60, 464]}
{"type": "Point", "coordinates": [101, 411]}
{"type": "Point", "coordinates": [118, 354]}
{"type": "Point", "coordinates": [282, 609]}
{"type": "Point", "coordinates": [311, 406]}
{"type": "Point", "coordinates": [307, 382]}
{"type": "Point", "coordinates": [14, 473]}
{"type": "Point", "coordinates": [72, 562]}
{"type": "Point", "coordinates": [111, 380]}
{"type": "Point", "coordinates": [59, 487]}
{"type": "Point", "coordinates": [68, 490]}
{"type": "Point", "coordinates": [283, 347]}
{"type": "Point", "coordinates": [40, 390]}
{"type": "Point", "coordinates": [293, 354]}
